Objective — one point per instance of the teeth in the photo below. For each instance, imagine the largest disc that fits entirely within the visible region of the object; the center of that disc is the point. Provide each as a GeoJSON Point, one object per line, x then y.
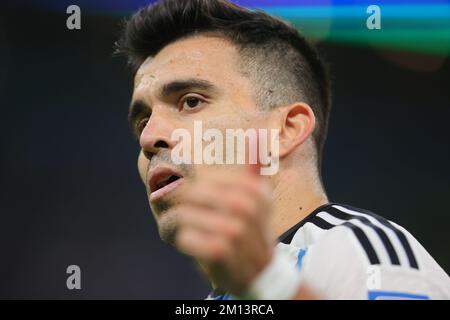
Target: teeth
{"type": "Point", "coordinates": [162, 183]}
{"type": "Point", "coordinates": [166, 181]}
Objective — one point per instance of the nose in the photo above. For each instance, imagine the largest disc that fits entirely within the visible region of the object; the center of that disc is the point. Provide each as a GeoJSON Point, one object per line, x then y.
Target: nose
{"type": "Point", "coordinates": [156, 136]}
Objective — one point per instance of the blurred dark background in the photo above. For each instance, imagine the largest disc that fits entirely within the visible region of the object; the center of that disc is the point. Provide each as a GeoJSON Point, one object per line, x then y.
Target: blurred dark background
{"type": "Point", "coordinates": [70, 192]}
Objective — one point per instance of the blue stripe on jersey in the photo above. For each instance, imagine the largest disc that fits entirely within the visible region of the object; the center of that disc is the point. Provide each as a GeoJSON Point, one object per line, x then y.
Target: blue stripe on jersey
{"type": "Point", "coordinates": [225, 296]}
{"type": "Point", "coordinates": [300, 256]}
{"type": "Point", "coordinates": [387, 295]}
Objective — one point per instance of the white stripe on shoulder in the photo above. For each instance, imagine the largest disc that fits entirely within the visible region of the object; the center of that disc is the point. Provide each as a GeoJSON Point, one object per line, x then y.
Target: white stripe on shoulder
{"type": "Point", "coordinates": [369, 232]}
{"type": "Point", "coordinates": [390, 233]}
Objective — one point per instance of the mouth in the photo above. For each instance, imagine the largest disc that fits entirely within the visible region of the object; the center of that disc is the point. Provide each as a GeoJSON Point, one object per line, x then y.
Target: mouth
{"type": "Point", "coordinates": [163, 180]}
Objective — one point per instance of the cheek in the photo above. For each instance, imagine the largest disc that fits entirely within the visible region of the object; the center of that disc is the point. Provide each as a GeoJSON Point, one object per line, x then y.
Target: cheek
{"type": "Point", "coordinates": [142, 166]}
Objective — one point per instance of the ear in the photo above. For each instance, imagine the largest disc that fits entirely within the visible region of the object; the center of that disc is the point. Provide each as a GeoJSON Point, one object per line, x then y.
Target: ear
{"type": "Point", "coordinates": [297, 125]}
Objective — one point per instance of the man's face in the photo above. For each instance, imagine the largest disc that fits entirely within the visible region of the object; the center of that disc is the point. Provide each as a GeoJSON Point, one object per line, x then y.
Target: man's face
{"type": "Point", "coordinates": [194, 79]}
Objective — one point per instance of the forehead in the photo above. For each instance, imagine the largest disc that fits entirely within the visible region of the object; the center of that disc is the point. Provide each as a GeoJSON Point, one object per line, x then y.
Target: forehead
{"type": "Point", "coordinates": [206, 57]}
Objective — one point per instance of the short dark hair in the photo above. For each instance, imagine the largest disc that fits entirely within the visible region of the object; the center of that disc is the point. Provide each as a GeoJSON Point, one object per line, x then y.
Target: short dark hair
{"type": "Point", "coordinates": [284, 65]}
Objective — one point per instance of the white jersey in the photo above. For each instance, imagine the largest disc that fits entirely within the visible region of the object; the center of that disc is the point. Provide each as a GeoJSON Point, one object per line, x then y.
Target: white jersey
{"type": "Point", "coordinates": [343, 252]}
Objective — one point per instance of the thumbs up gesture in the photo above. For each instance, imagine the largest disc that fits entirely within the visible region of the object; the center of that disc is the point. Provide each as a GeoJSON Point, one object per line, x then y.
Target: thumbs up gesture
{"type": "Point", "coordinates": [224, 224]}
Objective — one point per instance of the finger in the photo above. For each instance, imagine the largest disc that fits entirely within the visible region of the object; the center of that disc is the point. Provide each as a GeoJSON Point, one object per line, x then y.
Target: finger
{"type": "Point", "coordinates": [204, 195]}
{"type": "Point", "coordinates": [208, 221]}
{"type": "Point", "coordinates": [202, 246]}
{"type": "Point", "coordinates": [243, 206]}
{"type": "Point", "coordinates": [243, 182]}
{"type": "Point", "coordinates": [240, 198]}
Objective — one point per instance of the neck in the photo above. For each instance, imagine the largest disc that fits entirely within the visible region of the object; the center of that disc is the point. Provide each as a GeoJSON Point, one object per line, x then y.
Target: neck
{"type": "Point", "coordinates": [295, 197]}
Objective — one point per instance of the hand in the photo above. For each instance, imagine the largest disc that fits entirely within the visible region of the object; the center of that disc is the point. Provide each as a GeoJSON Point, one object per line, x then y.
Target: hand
{"type": "Point", "coordinates": [224, 224]}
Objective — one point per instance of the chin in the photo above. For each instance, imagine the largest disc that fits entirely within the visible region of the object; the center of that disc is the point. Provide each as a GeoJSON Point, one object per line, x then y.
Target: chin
{"type": "Point", "coordinates": [167, 227]}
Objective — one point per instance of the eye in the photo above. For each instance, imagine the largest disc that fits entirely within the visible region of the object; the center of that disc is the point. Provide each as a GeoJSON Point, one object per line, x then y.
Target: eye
{"type": "Point", "coordinates": [191, 102]}
{"type": "Point", "coordinates": [140, 126]}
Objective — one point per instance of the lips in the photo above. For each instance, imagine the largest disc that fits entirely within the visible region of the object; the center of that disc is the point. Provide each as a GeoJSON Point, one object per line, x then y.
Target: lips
{"type": "Point", "coordinates": [163, 180]}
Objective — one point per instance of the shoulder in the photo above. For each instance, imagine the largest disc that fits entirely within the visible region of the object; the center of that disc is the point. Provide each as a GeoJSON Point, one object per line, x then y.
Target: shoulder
{"type": "Point", "coordinates": [377, 239]}
{"type": "Point", "coordinates": [359, 246]}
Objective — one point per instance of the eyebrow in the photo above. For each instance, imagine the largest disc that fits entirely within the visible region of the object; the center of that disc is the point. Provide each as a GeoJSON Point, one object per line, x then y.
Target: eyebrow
{"type": "Point", "coordinates": [186, 85]}
{"type": "Point", "coordinates": [139, 107]}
